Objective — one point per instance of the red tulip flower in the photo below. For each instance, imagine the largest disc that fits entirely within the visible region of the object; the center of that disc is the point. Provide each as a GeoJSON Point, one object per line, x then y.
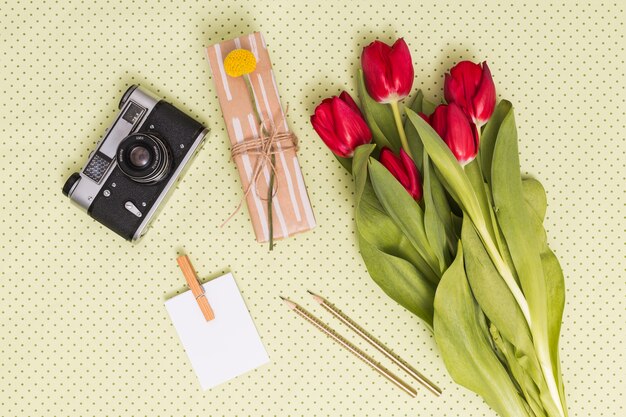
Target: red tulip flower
{"type": "Point", "coordinates": [388, 70]}
{"type": "Point", "coordinates": [403, 168]}
{"type": "Point", "coordinates": [340, 124]}
{"type": "Point", "coordinates": [456, 130]}
{"type": "Point", "coordinates": [471, 87]}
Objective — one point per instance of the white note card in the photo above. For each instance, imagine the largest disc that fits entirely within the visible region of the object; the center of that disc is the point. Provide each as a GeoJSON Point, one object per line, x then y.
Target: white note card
{"type": "Point", "coordinates": [225, 347]}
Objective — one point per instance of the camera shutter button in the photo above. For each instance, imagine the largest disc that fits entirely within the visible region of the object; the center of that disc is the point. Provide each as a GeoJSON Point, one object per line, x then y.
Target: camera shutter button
{"type": "Point", "coordinates": [132, 208]}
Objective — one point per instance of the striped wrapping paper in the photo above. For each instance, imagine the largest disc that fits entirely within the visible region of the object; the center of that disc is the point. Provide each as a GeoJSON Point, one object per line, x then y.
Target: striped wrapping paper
{"type": "Point", "coordinates": [292, 212]}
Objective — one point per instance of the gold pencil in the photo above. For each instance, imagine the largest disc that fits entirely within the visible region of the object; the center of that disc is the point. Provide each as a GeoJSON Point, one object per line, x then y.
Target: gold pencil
{"type": "Point", "coordinates": [349, 346]}
{"type": "Point", "coordinates": [378, 345]}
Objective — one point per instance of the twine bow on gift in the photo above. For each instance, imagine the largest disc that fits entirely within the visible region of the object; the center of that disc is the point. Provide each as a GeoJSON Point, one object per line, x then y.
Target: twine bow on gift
{"type": "Point", "coordinates": [265, 148]}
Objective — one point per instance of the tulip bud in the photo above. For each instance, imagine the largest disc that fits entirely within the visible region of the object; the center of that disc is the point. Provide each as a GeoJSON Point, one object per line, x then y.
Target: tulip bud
{"type": "Point", "coordinates": [403, 168]}
{"type": "Point", "coordinates": [471, 88]}
{"type": "Point", "coordinates": [456, 130]}
{"type": "Point", "coordinates": [340, 124]}
{"type": "Point", "coordinates": [388, 70]}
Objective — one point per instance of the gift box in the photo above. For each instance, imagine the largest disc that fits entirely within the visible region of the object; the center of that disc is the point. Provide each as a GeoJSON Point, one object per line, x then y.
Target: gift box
{"type": "Point", "coordinates": [264, 149]}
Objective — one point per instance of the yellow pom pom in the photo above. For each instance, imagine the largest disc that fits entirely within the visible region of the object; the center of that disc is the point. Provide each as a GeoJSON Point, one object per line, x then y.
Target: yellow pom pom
{"type": "Point", "coordinates": [239, 62]}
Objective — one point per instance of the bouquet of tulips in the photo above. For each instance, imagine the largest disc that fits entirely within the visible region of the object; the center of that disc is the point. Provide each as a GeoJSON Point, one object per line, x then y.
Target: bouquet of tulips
{"type": "Point", "coordinates": [450, 230]}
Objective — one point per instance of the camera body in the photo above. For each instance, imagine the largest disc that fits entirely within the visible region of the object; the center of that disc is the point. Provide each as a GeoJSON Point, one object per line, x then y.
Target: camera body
{"type": "Point", "coordinates": [137, 164]}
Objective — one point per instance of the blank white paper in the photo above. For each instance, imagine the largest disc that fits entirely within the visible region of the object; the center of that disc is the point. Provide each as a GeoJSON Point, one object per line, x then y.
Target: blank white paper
{"type": "Point", "coordinates": [225, 347]}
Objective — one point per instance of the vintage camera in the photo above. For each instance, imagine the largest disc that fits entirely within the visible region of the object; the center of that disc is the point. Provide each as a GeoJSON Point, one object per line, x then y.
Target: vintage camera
{"type": "Point", "coordinates": [137, 164]}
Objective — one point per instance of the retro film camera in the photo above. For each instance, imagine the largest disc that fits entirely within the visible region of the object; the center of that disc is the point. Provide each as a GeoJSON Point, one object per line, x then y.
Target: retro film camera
{"type": "Point", "coordinates": [137, 164]}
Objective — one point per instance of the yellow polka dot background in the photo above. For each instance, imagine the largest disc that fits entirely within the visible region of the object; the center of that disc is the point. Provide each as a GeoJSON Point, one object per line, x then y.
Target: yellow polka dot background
{"type": "Point", "coordinates": [83, 328]}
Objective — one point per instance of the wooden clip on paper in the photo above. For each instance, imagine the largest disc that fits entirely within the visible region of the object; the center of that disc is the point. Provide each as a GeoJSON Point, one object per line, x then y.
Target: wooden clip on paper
{"type": "Point", "coordinates": [196, 289]}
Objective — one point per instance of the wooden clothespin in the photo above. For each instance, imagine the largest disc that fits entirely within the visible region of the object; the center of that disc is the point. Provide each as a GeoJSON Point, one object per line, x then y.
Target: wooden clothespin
{"type": "Point", "coordinates": [196, 289]}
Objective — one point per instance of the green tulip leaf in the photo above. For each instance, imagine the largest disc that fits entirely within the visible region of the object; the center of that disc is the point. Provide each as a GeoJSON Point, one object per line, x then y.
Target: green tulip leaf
{"type": "Point", "coordinates": [413, 139]}
{"type": "Point", "coordinates": [491, 292]}
{"type": "Point", "coordinates": [498, 304]}
{"type": "Point", "coordinates": [535, 201]}
{"type": "Point", "coordinates": [400, 280]}
{"type": "Point", "coordinates": [404, 211]}
{"type": "Point", "coordinates": [451, 172]}
{"type": "Point", "coordinates": [536, 228]}
{"type": "Point", "coordinates": [502, 247]}
{"type": "Point", "coordinates": [390, 258]}
{"type": "Point", "coordinates": [345, 162]}
{"type": "Point", "coordinates": [359, 168]}
{"type": "Point", "coordinates": [441, 200]}
{"type": "Point", "coordinates": [465, 345]}
{"type": "Point", "coordinates": [475, 176]}
{"type": "Point", "coordinates": [535, 196]}
{"type": "Point", "coordinates": [379, 118]}
{"type": "Point", "coordinates": [515, 223]}
{"type": "Point", "coordinates": [515, 362]}
{"type": "Point", "coordinates": [428, 107]}
{"type": "Point", "coordinates": [374, 223]}
{"type": "Point", "coordinates": [436, 215]}
{"type": "Point", "coordinates": [380, 230]}
{"type": "Point", "coordinates": [417, 103]}
{"type": "Point", "coordinates": [489, 136]}
{"type": "Point", "coordinates": [555, 286]}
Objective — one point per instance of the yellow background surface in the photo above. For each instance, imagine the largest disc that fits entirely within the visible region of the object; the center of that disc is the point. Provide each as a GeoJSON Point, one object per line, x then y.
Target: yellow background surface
{"type": "Point", "coordinates": [83, 329]}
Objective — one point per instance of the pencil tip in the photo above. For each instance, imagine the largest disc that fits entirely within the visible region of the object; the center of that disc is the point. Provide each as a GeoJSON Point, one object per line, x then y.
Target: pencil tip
{"type": "Point", "coordinates": [316, 297]}
{"type": "Point", "coordinates": [290, 304]}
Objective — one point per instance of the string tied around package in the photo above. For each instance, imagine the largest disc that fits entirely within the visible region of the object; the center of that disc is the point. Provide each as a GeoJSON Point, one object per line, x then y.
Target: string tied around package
{"type": "Point", "coordinates": [264, 148]}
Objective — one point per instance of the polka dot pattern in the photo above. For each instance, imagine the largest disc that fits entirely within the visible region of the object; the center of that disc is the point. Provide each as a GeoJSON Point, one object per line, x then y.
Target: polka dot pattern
{"type": "Point", "coordinates": [83, 329]}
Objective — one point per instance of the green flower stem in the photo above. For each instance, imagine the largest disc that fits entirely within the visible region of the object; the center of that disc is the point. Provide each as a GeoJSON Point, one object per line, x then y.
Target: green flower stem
{"type": "Point", "coordinates": [400, 126]}
{"type": "Point", "coordinates": [496, 229]}
{"type": "Point", "coordinates": [539, 336]}
{"type": "Point", "coordinates": [270, 194]}
{"type": "Point", "coordinates": [545, 362]}
{"type": "Point", "coordinates": [487, 231]}
{"type": "Point", "coordinates": [475, 175]}
{"type": "Point", "coordinates": [503, 268]}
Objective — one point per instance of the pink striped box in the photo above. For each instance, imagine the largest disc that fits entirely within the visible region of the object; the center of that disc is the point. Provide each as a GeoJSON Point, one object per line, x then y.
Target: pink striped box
{"type": "Point", "coordinates": [292, 212]}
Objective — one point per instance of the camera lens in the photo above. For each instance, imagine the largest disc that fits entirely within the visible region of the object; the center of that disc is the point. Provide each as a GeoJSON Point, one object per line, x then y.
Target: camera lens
{"type": "Point", "coordinates": [144, 158]}
{"type": "Point", "coordinates": [139, 156]}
